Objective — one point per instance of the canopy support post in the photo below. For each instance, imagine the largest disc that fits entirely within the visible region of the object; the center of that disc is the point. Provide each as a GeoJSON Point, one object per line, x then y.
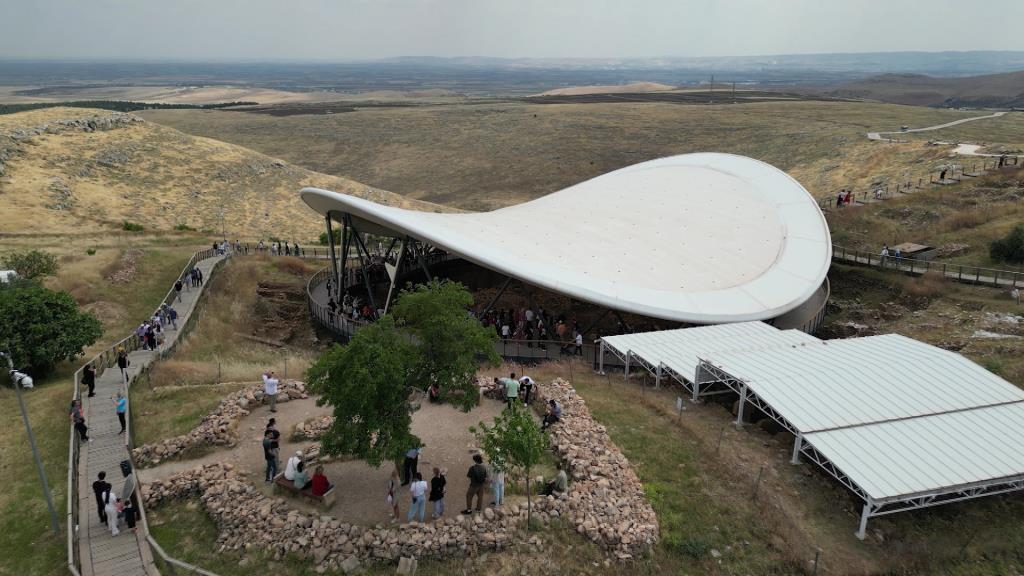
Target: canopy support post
{"type": "Point", "coordinates": [600, 358]}
{"type": "Point", "coordinates": [865, 513]}
{"type": "Point", "coordinates": [496, 296]}
{"type": "Point", "coordinates": [739, 410]}
{"type": "Point", "coordinates": [797, 444]}
{"type": "Point", "coordinates": [334, 257]}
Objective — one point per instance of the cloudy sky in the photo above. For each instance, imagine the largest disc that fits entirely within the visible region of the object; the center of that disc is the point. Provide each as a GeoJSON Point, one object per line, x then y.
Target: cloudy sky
{"type": "Point", "coordinates": [362, 29]}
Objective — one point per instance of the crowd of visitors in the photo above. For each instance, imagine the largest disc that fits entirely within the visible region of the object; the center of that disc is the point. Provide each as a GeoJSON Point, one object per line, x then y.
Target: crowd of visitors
{"type": "Point", "coordinates": [532, 326]}
{"type": "Point", "coordinates": [112, 509]}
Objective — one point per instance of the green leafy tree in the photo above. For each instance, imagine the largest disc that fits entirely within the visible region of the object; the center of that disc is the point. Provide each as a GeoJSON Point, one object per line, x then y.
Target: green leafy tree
{"type": "Point", "coordinates": [1009, 248]}
{"type": "Point", "coordinates": [32, 264]}
{"type": "Point", "coordinates": [336, 232]}
{"type": "Point", "coordinates": [41, 327]}
{"type": "Point", "coordinates": [450, 340]}
{"type": "Point", "coordinates": [367, 384]}
{"type": "Point", "coordinates": [515, 441]}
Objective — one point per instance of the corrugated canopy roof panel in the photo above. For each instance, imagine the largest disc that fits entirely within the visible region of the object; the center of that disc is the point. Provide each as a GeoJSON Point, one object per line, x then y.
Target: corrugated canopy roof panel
{"type": "Point", "coordinates": [700, 238]}
{"type": "Point", "coordinates": [933, 454]}
{"type": "Point", "coordinates": [840, 383]}
{"type": "Point", "coordinates": [679, 349]}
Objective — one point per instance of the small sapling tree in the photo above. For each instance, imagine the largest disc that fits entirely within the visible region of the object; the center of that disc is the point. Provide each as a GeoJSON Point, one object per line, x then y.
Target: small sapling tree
{"type": "Point", "coordinates": [515, 440]}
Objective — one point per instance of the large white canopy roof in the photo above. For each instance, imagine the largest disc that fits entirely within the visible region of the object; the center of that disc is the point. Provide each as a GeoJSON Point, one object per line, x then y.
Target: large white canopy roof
{"type": "Point", "coordinates": [897, 417]}
{"type": "Point", "coordinates": [680, 350]}
{"type": "Point", "coordinates": [700, 238]}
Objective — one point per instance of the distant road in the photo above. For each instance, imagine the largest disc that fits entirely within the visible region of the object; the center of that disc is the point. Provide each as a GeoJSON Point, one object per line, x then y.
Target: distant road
{"type": "Point", "coordinates": [878, 135]}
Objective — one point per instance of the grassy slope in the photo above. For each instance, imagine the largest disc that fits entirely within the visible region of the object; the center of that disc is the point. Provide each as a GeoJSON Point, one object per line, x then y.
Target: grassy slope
{"type": "Point", "coordinates": [974, 212]}
{"type": "Point", "coordinates": [26, 547]}
{"type": "Point", "coordinates": [489, 155]}
{"type": "Point", "coordinates": [185, 388]}
{"type": "Point", "coordinates": [160, 178]}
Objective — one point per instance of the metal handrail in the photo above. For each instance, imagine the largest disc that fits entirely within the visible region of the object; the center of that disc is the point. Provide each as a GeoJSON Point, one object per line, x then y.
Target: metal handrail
{"type": "Point", "coordinates": [103, 361]}
{"type": "Point", "coordinates": [974, 274]}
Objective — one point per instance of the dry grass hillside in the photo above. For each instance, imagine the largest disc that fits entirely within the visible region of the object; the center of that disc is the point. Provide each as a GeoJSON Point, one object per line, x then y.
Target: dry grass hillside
{"type": "Point", "coordinates": [1003, 90]}
{"type": "Point", "coordinates": [487, 155]}
{"type": "Point", "coordinates": [69, 179]}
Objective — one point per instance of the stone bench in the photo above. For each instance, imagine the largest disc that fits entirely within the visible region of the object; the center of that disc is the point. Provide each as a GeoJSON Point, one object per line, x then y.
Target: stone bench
{"type": "Point", "coordinates": [325, 501]}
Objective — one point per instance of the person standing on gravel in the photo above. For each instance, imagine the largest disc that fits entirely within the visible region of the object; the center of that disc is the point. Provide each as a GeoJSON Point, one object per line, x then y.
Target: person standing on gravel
{"type": "Point", "coordinates": [270, 452]}
{"type": "Point", "coordinates": [270, 389]}
{"type": "Point", "coordinates": [418, 490]}
{"type": "Point", "coordinates": [477, 475]}
{"type": "Point", "coordinates": [437, 484]}
{"type": "Point", "coordinates": [527, 383]}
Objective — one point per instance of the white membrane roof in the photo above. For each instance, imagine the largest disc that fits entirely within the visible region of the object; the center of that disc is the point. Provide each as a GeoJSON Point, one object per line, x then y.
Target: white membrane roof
{"type": "Point", "coordinates": [840, 383]}
{"type": "Point", "coordinates": [679, 349]}
{"type": "Point", "coordinates": [700, 238]}
{"type": "Point", "coordinates": [900, 418]}
{"type": "Point", "coordinates": [940, 453]}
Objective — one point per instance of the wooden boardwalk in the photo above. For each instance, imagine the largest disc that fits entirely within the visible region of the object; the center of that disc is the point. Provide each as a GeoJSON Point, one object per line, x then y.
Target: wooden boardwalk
{"type": "Point", "coordinates": [957, 272]}
{"type": "Point", "coordinates": [126, 554]}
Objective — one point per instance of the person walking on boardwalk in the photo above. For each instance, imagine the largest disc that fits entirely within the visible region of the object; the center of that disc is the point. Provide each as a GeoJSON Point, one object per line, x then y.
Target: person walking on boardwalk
{"type": "Point", "coordinates": [99, 488]}
{"type": "Point", "coordinates": [110, 508]}
{"type": "Point", "coordinates": [121, 406]}
{"type": "Point", "coordinates": [89, 378]}
{"type": "Point", "coordinates": [177, 288]}
{"type": "Point", "coordinates": [172, 315]}
{"type": "Point", "coordinates": [123, 363]}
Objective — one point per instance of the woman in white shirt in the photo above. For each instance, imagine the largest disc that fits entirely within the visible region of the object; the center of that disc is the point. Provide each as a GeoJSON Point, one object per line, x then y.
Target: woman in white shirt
{"type": "Point", "coordinates": [418, 488]}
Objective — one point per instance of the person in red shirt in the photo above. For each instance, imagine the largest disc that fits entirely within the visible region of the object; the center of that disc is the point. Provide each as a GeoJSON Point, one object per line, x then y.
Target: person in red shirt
{"type": "Point", "coordinates": [320, 483]}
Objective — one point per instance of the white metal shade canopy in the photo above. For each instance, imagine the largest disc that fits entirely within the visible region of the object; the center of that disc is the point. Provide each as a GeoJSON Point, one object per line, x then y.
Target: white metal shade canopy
{"type": "Point", "coordinates": [700, 238]}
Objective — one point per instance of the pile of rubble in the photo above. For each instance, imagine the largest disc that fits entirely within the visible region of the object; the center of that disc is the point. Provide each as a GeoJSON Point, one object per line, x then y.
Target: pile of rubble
{"type": "Point", "coordinates": [313, 428]}
{"type": "Point", "coordinates": [605, 503]}
{"type": "Point", "coordinates": [218, 428]}
{"type": "Point", "coordinates": [606, 500]}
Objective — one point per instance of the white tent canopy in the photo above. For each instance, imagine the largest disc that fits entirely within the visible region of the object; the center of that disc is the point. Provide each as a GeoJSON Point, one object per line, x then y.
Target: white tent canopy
{"type": "Point", "coordinates": [676, 352]}
{"type": "Point", "coordinates": [901, 423]}
{"type": "Point", "coordinates": [699, 238]}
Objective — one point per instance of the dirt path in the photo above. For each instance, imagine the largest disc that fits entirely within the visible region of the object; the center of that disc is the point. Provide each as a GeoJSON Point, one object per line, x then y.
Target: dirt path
{"type": "Point", "coordinates": [361, 488]}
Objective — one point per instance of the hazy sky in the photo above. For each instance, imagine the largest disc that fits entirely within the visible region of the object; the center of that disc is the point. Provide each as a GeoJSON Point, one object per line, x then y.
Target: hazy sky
{"type": "Point", "coordinates": [360, 29]}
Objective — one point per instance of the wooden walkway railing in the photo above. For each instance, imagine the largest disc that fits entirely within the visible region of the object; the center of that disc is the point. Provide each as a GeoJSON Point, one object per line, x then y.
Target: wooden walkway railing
{"type": "Point", "coordinates": [997, 278]}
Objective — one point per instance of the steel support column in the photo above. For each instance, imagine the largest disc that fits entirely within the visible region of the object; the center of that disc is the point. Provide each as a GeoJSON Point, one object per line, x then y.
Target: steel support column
{"type": "Point", "coordinates": [797, 445]}
{"type": "Point", "coordinates": [365, 259]}
{"type": "Point", "coordinates": [865, 513]}
{"type": "Point", "coordinates": [494, 300]}
{"type": "Point", "coordinates": [739, 410]}
{"type": "Point", "coordinates": [600, 357]}
{"type": "Point", "coordinates": [330, 251]}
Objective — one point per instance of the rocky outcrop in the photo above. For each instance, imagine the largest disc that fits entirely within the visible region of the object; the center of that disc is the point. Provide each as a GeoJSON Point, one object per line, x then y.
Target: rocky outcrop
{"type": "Point", "coordinates": [218, 428]}
{"type": "Point", "coordinates": [12, 142]}
{"type": "Point", "coordinates": [604, 503]}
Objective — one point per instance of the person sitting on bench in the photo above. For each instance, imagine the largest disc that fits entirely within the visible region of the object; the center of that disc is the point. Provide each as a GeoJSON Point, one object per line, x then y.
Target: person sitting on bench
{"type": "Point", "coordinates": [301, 479]}
{"type": "Point", "coordinates": [319, 483]}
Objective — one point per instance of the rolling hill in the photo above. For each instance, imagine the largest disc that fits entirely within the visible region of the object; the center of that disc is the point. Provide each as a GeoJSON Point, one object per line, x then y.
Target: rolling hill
{"type": "Point", "coordinates": [81, 171]}
{"type": "Point", "coordinates": [992, 90]}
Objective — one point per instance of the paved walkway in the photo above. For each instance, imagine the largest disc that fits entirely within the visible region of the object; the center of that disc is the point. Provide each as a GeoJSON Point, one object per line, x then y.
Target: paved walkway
{"type": "Point", "coordinates": [126, 554]}
{"type": "Point", "coordinates": [878, 135]}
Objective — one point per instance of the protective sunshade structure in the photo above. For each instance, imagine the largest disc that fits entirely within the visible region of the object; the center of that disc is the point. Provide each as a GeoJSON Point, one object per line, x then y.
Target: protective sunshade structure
{"type": "Point", "coordinates": [698, 238]}
{"type": "Point", "coordinates": [676, 352]}
{"type": "Point", "coordinates": [901, 423]}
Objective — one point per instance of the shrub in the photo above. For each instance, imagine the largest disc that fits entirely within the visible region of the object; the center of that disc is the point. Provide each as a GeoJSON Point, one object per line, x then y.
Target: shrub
{"type": "Point", "coordinates": [31, 264]}
{"type": "Point", "coordinates": [927, 285]}
{"type": "Point", "coordinates": [91, 251]}
{"type": "Point", "coordinates": [337, 237]}
{"type": "Point", "coordinates": [184, 228]}
{"type": "Point", "coordinates": [42, 327]}
{"type": "Point", "coordinates": [1009, 248]}
{"type": "Point", "coordinates": [131, 227]}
